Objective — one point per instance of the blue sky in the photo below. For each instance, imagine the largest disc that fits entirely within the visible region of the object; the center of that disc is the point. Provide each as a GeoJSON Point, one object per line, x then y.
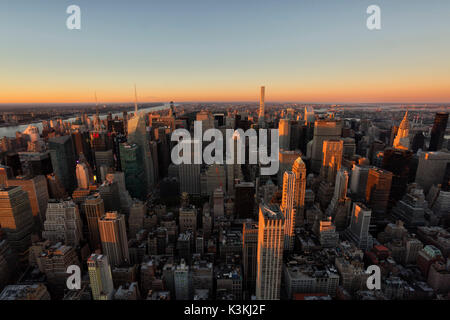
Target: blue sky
{"type": "Point", "coordinates": [223, 50]}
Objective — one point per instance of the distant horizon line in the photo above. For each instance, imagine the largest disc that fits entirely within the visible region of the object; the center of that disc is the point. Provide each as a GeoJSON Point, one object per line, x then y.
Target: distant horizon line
{"type": "Point", "coordinates": [444, 103]}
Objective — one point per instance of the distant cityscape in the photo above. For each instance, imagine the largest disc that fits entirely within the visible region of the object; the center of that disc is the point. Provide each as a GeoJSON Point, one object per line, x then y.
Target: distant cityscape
{"type": "Point", "coordinates": [95, 187]}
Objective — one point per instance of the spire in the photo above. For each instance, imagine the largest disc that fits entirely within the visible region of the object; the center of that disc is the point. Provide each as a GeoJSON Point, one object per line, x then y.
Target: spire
{"type": "Point", "coordinates": [135, 101]}
{"type": "Point", "coordinates": [402, 139]}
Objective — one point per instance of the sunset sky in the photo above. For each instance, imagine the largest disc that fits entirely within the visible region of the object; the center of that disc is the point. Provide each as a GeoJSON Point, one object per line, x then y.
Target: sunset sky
{"type": "Point", "coordinates": [223, 50]}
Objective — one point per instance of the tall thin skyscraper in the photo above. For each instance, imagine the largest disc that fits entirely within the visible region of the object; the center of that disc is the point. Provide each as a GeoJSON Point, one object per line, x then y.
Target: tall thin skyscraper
{"type": "Point", "coordinates": [249, 252]}
{"type": "Point", "coordinates": [270, 252]}
{"type": "Point", "coordinates": [288, 210]}
{"type": "Point", "coordinates": [113, 236]}
{"type": "Point", "coordinates": [262, 103]}
{"type": "Point", "coordinates": [100, 277]}
{"type": "Point", "coordinates": [438, 131]}
{"type": "Point", "coordinates": [299, 169]}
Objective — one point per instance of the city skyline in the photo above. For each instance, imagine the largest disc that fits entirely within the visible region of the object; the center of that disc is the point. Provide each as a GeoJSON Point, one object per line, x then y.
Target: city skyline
{"type": "Point", "coordinates": [203, 52]}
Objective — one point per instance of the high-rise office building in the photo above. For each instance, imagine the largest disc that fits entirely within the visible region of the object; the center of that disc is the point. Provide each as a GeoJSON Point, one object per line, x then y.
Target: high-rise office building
{"type": "Point", "coordinates": [16, 218]}
{"type": "Point", "coordinates": [284, 131]}
{"type": "Point", "coordinates": [138, 210]}
{"type": "Point", "coordinates": [288, 210]}
{"type": "Point", "coordinates": [182, 281]}
{"type": "Point", "coordinates": [398, 162]}
{"type": "Point", "coordinates": [431, 168]}
{"type": "Point", "coordinates": [323, 130]}
{"type": "Point", "coordinates": [94, 209]}
{"type": "Point", "coordinates": [36, 188]}
{"type": "Point", "coordinates": [63, 223]}
{"type": "Point", "coordinates": [358, 231]}
{"type": "Point", "coordinates": [340, 191]}
{"type": "Point", "coordinates": [270, 252]}
{"type": "Point", "coordinates": [299, 169]}
{"type": "Point", "coordinates": [377, 191]}
{"type": "Point", "coordinates": [286, 159]}
{"type": "Point", "coordinates": [244, 200]}
{"type": "Point", "coordinates": [189, 173]}
{"type": "Point", "coordinates": [332, 159]}
{"type": "Point", "coordinates": [109, 191]}
{"type": "Point", "coordinates": [358, 181]}
{"type": "Point", "coordinates": [63, 160]}
{"type": "Point", "coordinates": [249, 253]}
{"type": "Point", "coordinates": [83, 176]}
{"type": "Point", "coordinates": [113, 235]}
{"type": "Point", "coordinates": [100, 277]}
{"type": "Point", "coordinates": [133, 168]}
{"type": "Point", "coordinates": [438, 131]}
{"type": "Point", "coordinates": [137, 134]}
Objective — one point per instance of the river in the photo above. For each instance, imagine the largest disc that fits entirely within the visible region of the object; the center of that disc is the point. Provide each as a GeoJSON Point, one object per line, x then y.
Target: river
{"type": "Point", "coordinates": [11, 130]}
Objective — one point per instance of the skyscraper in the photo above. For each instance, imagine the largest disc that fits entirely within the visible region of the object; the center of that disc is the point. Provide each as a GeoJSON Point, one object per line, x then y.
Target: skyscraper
{"type": "Point", "coordinates": [63, 223]}
{"type": "Point", "coordinates": [401, 140]}
{"type": "Point", "coordinates": [340, 191]}
{"type": "Point", "coordinates": [133, 168]}
{"type": "Point", "coordinates": [358, 180]}
{"type": "Point", "coordinates": [182, 281]}
{"type": "Point", "coordinates": [288, 210]}
{"type": "Point", "coordinates": [249, 253]}
{"type": "Point", "coordinates": [332, 159]}
{"type": "Point", "coordinates": [113, 236]}
{"type": "Point", "coordinates": [270, 252]}
{"type": "Point", "coordinates": [323, 130]}
{"type": "Point", "coordinates": [137, 134]}
{"type": "Point", "coordinates": [262, 104]}
{"type": "Point", "coordinates": [438, 131]}
{"type": "Point", "coordinates": [244, 200]}
{"type": "Point", "coordinates": [398, 162]}
{"type": "Point", "coordinates": [100, 277]}
{"type": "Point", "coordinates": [16, 218]}
{"type": "Point", "coordinates": [377, 191]}
{"type": "Point", "coordinates": [83, 178]}
{"type": "Point", "coordinates": [299, 169]}
{"type": "Point", "coordinates": [286, 159]}
{"type": "Point", "coordinates": [63, 160]}
{"type": "Point", "coordinates": [36, 188]}
{"type": "Point", "coordinates": [284, 131]}
{"type": "Point", "coordinates": [358, 231]}
{"type": "Point", "coordinates": [94, 209]}
{"type": "Point", "coordinates": [431, 168]}
{"type": "Point", "coordinates": [189, 173]}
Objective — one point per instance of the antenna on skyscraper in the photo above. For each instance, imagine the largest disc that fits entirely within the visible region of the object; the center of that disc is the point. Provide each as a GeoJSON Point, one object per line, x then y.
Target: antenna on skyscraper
{"type": "Point", "coordinates": [135, 101]}
{"type": "Point", "coordinates": [96, 102]}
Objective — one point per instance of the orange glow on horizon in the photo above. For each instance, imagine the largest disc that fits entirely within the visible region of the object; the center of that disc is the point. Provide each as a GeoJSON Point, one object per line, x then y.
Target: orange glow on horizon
{"type": "Point", "coordinates": [312, 93]}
